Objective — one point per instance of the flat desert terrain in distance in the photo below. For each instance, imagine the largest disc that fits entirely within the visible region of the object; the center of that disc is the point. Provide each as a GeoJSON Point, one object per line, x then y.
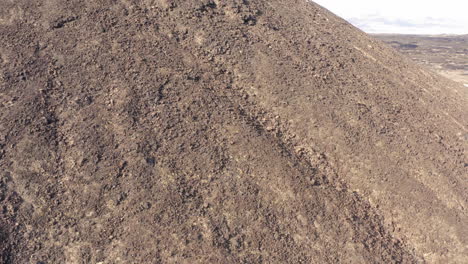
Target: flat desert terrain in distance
{"type": "Point", "coordinates": [446, 54]}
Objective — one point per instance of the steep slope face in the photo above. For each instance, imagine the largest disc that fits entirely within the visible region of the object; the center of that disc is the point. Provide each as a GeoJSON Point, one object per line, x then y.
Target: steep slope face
{"type": "Point", "coordinates": [221, 132]}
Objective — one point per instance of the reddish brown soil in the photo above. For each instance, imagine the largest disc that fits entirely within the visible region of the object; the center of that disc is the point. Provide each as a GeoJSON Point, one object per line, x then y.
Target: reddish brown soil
{"type": "Point", "coordinates": [166, 131]}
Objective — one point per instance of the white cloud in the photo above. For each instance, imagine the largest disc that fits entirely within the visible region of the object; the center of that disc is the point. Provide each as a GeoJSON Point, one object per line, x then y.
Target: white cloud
{"type": "Point", "coordinates": [403, 16]}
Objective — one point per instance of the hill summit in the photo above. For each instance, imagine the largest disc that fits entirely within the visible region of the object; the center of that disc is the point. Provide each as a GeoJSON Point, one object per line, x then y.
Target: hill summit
{"type": "Point", "coordinates": [169, 131]}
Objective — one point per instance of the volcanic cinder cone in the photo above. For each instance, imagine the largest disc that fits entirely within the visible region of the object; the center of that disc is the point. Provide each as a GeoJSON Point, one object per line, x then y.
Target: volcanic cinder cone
{"type": "Point", "coordinates": [162, 131]}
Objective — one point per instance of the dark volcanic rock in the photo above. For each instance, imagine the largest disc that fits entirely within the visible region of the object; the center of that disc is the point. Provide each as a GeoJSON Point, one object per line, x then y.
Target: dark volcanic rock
{"type": "Point", "coordinates": [166, 131]}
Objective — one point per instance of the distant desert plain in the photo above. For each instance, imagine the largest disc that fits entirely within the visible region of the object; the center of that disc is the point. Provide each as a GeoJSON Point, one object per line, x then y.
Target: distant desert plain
{"type": "Point", "coordinates": [445, 54]}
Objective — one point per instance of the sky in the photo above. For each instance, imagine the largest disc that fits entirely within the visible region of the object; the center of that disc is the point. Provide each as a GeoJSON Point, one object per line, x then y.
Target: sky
{"type": "Point", "coordinates": [403, 16]}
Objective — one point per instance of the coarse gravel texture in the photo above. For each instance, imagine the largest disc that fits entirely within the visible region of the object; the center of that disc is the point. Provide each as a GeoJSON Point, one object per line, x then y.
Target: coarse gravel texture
{"type": "Point", "coordinates": [168, 131]}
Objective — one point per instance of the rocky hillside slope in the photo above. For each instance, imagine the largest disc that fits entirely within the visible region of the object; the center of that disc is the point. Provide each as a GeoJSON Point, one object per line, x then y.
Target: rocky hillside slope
{"type": "Point", "coordinates": [169, 131]}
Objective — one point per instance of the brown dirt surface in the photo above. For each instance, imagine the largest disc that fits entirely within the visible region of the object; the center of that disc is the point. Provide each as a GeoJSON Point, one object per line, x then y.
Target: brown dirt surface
{"type": "Point", "coordinates": [168, 131]}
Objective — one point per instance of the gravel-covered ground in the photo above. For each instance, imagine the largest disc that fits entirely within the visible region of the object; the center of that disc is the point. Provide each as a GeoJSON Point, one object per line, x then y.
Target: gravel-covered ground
{"type": "Point", "coordinates": [169, 131]}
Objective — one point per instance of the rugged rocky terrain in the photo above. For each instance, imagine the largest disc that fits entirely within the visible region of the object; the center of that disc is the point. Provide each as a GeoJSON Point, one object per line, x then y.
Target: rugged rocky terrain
{"type": "Point", "coordinates": [447, 55]}
{"type": "Point", "coordinates": [167, 131]}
